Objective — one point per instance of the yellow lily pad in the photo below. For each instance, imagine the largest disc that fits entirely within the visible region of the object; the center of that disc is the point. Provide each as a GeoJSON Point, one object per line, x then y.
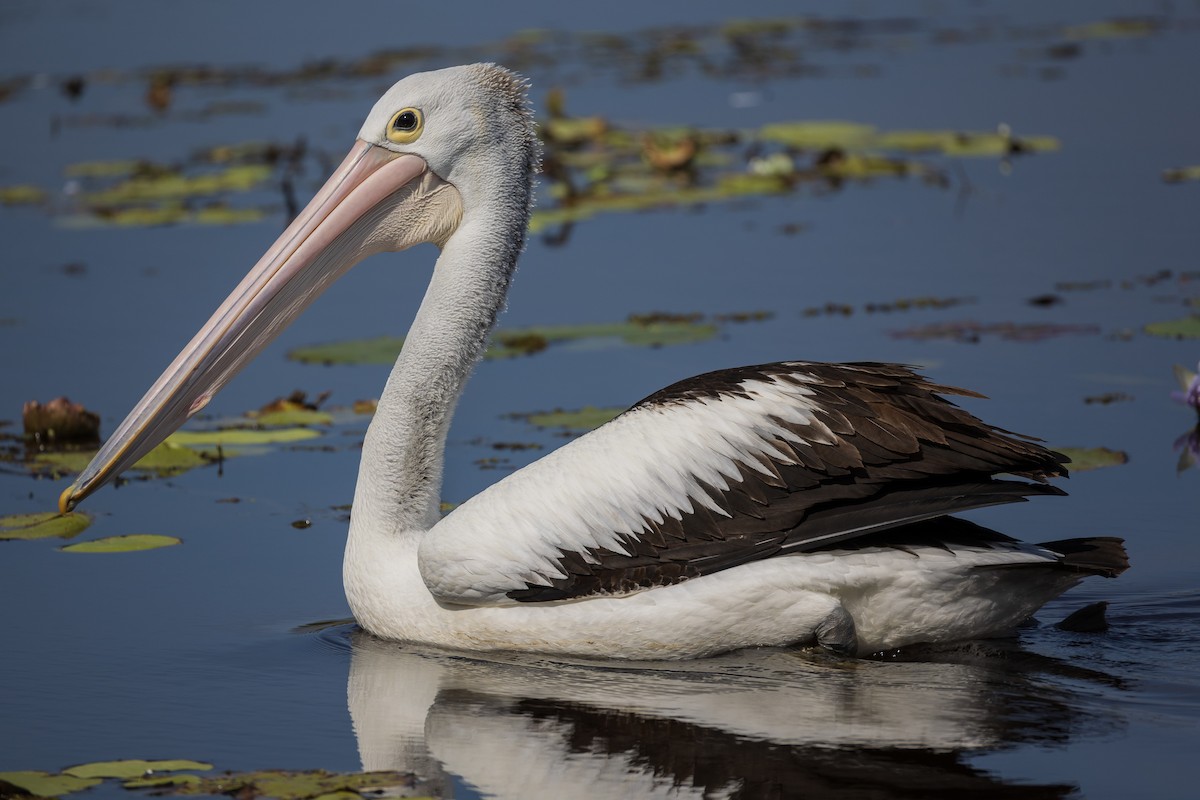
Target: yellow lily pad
{"type": "Point", "coordinates": [43, 525]}
{"type": "Point", "coordinates": [132, 768]}
{"type": "Point", "coordinates": [123, 544]}
{"type": "Point", "coordinates": [22, 195]}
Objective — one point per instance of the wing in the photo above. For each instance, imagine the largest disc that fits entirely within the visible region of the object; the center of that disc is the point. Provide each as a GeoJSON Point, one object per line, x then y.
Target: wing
{"type": "Point", "coordinates": [724, 469]}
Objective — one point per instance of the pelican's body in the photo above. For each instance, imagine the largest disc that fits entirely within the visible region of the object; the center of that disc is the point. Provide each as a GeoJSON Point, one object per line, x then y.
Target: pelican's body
{"type": "Point", "coordinates": [769, 505]}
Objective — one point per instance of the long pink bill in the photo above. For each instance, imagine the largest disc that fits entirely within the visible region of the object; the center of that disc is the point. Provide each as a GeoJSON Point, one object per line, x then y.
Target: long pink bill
{"type": "Point", "coordinates": [321, 244]}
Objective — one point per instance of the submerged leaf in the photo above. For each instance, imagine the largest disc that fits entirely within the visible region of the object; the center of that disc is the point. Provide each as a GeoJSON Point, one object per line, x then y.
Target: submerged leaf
{"type": "Point", "coordinates": [43, 525]}
{"type": "Point", "coordinates": [123, 544]}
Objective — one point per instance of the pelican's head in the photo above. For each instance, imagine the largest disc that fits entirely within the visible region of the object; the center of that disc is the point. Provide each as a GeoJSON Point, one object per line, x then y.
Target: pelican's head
{"type": "Point", "coordinates": [437, 148]}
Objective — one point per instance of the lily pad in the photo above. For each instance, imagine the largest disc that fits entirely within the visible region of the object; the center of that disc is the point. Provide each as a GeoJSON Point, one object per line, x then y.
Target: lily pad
{"type": "Point", "coordinates": [22, 195]}
{"type": "Point", "coordinates": [132, 768]}
{"type": "Point", "coordinates": [1185, 328]}
{"type": "Point", "coordinates": [43, 784]}
{"type": "Point", "coordinates": [1089, 458]}
{"type": "Point", "coordinates": [240, 436]}
{"type": "Point", "coordinates": [123, 544]}
{"type": "Point", "coordinates": [582, 419]}
{"type": "Point", "coordinates": [43, 525]}
{"type": "Point", "coordinates": [1181, 174]}
{"type": "Point", "coordinates": [515, 342]}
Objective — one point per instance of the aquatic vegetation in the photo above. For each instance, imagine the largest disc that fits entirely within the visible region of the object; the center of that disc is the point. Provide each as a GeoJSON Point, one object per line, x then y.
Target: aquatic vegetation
{"type": "Point", "coordinates": [1182, 174]}
{"type": "Point", "coordinates": [58, 421]}
{"type": "Point", "coordinates": [177, 777]}
{"type": "Point", "coordinates": [126, 543]}
{"type": "Point", "coordinates": [578, 420]}
{"type": "Point", "coordinates": [1183, 328]}
{"type": "Point", "coordinates": [43, 525]}
{"type": "Point", "coordinates": [972, 332]}
{"type": "Point", "coordinates": [652, 330]}
{"type": "Point", "coordinates": [1084, 459]}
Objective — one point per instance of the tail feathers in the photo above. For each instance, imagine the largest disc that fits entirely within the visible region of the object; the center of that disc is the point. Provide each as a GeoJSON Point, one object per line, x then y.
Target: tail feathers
{"type": "Point", "coordinates": [1096, 555]}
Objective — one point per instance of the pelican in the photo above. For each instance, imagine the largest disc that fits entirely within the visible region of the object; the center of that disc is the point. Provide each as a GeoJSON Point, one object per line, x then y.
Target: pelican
{"type": "Point", "coordinates": [770, 505]}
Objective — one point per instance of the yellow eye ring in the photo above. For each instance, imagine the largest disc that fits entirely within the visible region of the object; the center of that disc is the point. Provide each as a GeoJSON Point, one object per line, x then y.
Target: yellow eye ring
{"type": "Point", "coordinates": [406, 126]}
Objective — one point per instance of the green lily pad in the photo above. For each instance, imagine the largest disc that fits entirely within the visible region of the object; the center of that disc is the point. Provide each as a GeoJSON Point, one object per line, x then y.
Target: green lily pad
{"type": "Point", "coordinates": [293, 417]}
{"type": "Point", "coordinates": [43, 784]}
{"type": "Point", "coordinates": [1185, 328]}
{"type": "Point", "coordinates": [1089, 458]}
{"type": "Point", "coordinates": [381, 350]}
{"type": "Point", "coordinates": [123, 544]}
{"type": "Point", "coordinates": [43, 525]}
{"type": "Point", "coordinates": [166, 460]}
{"type": "Point", "coordinates": [132, 768]}
{"type": "Point", "coordinates": [582, 419]}
{"type": "Point", "coordinates": [521, 341]}
{"type": "Point", "coordinates": [240, 436]}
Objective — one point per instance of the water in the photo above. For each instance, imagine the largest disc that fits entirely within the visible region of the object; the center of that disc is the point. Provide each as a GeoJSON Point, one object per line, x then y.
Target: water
{"type": "Point", "coordinates": [193, 651]}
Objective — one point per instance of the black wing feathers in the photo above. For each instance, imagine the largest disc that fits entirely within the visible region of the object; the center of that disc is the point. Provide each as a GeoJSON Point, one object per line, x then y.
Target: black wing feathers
{"type": "Point", "coordinates": [901, 453]}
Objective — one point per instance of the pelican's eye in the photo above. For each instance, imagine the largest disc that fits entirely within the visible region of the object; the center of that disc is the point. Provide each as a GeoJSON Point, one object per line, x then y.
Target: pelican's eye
{"type": "Point", "coordinates": [405, 126]}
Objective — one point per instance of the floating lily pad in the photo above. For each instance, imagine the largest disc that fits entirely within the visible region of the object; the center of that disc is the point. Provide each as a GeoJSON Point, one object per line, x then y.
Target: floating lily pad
{"type": "Point", "coordinates": [820, 134]}
{"type": "Point", "coordinates": [132, 768]}
{"type": "Point", "coordinates": [521, 341]}
{"type": "Point", "coordinates": [381, 350]}
{"type": "Point", "coordinates": [1185, 328]}
{"type": "Point", "coordinates": [43, 525]}
{"type": "Point", "coordinates": [1089, 458]}
{"type": "Point", "coordinates": [43, 784]}
{"type": "Point", "coordinates": [123, 544]}
{"type": "Point", "coordinates": [173, 186]}
{"type": "Point", "coordinates": [1113, 29]}
{"type": "Point", "coordinates": [582, 419]}
{"type": "Point", "coordinates": [239, 436]}
{"type": "Point", "coordinates": [1181, 174]}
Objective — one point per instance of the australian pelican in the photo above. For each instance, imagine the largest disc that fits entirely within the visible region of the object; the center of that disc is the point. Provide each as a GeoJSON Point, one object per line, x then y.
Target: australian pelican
{"type": "Point", "coordinates": [783, 503]}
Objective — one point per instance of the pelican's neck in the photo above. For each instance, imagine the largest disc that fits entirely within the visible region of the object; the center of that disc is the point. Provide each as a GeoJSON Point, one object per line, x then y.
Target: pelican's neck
{"type": "Point", "coordinates": [400, 476]}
